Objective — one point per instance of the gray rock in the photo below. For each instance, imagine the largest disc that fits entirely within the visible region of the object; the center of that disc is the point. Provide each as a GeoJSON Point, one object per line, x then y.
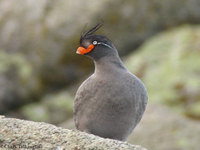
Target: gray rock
{"type": "Point", "coordinates": [129, 23]}
{"type": "Point", "coordinates": [15, 133]}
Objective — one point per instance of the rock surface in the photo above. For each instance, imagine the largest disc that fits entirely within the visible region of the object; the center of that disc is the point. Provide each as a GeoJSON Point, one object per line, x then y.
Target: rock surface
{"type": "Point", "coordinates": [15, 133]}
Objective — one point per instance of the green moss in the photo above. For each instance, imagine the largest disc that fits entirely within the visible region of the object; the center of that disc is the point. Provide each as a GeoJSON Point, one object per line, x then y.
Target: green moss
{"type": "Point", "coordinates": [22, 83]}
{"type": "Point", "coordinates": [17, 61]}
{"type": "Point", "coordinates": [35, 112]}
{"type": "Point", "coordinates": [53, 108]}
{"type": "Point", "coordinates": [193, 110]}
{"type": "Point", "coordinates": [183, 142]}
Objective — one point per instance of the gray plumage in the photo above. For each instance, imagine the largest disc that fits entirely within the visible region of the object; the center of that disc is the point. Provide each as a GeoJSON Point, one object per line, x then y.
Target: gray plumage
{"type": "Point", "coordinates": [111, 102]}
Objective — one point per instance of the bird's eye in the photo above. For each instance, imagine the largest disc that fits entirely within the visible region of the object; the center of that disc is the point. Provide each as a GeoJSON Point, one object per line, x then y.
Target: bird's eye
{"type": "Point", "coordinates": [94, 43]}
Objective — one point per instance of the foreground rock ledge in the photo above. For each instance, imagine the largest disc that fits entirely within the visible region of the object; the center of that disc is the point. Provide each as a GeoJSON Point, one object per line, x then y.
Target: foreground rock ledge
{"type": "Point", "coordinates": [15, 133]}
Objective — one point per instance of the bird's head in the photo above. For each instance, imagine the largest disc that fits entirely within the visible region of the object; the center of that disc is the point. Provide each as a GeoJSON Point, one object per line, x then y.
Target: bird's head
{"type": "Point", "coordinates": [95, 46]}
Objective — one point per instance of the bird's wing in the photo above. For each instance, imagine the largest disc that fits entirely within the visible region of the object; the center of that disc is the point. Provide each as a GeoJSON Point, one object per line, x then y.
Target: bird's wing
{"type": "Point", "coordinates": [84, 95]}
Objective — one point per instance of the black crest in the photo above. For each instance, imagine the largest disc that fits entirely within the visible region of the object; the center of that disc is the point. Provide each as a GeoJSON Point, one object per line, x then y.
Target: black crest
{"type": "Point", "coordinates": [91, 31]}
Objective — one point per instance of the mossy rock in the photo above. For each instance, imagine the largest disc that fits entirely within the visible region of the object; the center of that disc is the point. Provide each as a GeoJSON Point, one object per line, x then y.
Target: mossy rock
{"type": "Point", "coordinates": [19, 84]}
{"type": "Point", "coordinates": [53, 108]}
{"type": "Point", "coordinates": [169, 65]}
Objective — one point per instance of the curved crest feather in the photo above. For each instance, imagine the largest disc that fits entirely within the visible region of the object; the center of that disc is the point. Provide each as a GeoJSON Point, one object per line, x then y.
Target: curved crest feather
{"type": "Point", "coordinates": [91, 31]}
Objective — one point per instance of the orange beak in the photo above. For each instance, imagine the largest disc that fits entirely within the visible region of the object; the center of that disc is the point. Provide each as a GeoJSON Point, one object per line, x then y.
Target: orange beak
{"type": "Point", "coordinates": [81, 50]}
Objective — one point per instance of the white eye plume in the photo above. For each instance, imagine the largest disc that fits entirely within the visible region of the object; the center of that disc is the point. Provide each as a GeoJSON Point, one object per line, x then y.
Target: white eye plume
{"type": "Point", "coordinates": [101, 43]}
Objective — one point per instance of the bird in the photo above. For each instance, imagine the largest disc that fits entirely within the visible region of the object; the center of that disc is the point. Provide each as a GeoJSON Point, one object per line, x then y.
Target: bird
{"type": "Point", "coordinates": [111, 101]}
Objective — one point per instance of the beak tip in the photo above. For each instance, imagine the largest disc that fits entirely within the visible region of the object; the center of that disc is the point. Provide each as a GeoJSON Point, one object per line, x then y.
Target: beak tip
{"type": "Point", "coordinates": [77, 52]}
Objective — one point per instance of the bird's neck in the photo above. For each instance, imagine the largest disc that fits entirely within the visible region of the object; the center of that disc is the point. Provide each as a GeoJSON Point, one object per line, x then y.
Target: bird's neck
{"type": "Point", "coordinates": [109, 64]}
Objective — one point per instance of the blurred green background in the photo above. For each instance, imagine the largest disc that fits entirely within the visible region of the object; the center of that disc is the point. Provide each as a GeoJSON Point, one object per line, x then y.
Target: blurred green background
{"type": "Point", "coordinates": [158, 40]}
